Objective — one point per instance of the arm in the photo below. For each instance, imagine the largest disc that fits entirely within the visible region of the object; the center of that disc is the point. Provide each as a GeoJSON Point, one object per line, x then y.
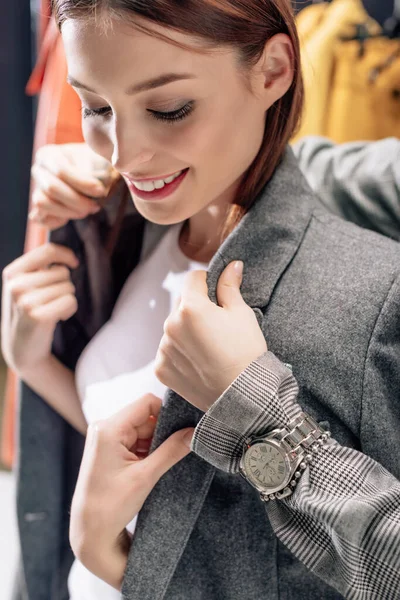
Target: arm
{"type": "Point", "coordinates": [343, 520]}
{"type": "Point", "coordinates": [37, 293]}
{"type": "Point", "coordinates": [55, 383]}
{"type": "Point", "coordinates": [359, 181]}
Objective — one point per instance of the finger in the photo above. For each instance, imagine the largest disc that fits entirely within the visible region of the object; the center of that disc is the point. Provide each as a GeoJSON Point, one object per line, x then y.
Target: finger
{"type": "Point", "coordinates": [142, 448]}
{"type": "Point", "coordinates": [51, 223]}
{"type": "Point", "coordinates": [176, 447]}
{"type": "Point", "coordinates": [41, 258]}
{"type": "Point", "coordinates": [228, 288]}
{"type": "Point", "coordinates": [44, 206]}
{"type": "Point", "coordinates": [194, 285]}
{"type": "Point", "coordinates": [39, 279]}
{"type": "Point", "coordinates": [60, 191]}
{"type": "Point", "coordinates": [176, 304]}
{"type": "Point", "coordinates": [146, 431]}
{"type": "Point", "coordinates": [88, 184]}
{"type": "Point", "coordinates": [60, 309]}
{"type": "Point", "coordinates": [124, 423]}
{"type": "Point", "coordinates": [42, 296]}
{"type": "Point", "coordinates": [64, 167]}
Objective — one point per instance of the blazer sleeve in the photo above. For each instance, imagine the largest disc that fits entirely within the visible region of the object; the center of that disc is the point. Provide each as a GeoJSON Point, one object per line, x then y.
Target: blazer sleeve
{"type": "Point", "coordinates": [359, 181]}
{"type": "Point", "coordinates": [343, 519]}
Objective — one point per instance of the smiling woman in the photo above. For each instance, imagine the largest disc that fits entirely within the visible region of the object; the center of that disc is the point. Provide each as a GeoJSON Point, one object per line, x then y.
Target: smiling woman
{"type": "Point", "coordinates": [226, 270]}
{"type": "Point", "coordinates": [225, 88]}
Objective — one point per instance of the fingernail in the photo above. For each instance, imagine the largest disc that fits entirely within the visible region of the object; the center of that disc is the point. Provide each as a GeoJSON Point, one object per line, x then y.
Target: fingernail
{"type": "Point", "coordinates": [238, 266]}
{"type": "Point", "coordinates": [187, 438]}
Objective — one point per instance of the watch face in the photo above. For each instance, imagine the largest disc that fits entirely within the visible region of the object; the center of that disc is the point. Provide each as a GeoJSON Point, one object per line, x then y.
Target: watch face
{"type": "Point", "coordinates": [265, 466]}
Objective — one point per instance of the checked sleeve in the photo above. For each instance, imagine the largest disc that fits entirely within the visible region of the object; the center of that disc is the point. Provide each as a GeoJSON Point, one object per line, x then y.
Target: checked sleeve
{"type": "Point", "coordinates": [343, 520]}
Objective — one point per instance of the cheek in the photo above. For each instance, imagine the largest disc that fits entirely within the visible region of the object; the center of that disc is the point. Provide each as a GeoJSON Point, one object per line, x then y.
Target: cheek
{"type": "Point", "coordinates": [238, 138]}
{"type": "Point", "coordinates": [226, 143]}
{"type": "Point", "coordinates": [178, 141]}
{"type": "Point", "coordinates": [97, 139]}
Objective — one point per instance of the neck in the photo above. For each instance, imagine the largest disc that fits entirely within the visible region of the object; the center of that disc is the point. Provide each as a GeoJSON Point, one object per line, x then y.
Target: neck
{"type": "Point", "coordinates": [200, 235]}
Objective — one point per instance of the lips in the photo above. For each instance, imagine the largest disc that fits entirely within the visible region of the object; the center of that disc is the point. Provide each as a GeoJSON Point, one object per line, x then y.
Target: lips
{"type": "Point", "coordinates": [149, 185]}
{"type": "Point", "coordinates": [156, 193]}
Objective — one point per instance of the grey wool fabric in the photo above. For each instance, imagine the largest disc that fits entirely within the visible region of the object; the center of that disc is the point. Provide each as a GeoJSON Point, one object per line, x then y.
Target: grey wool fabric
{"type": "Point", "coordinates": [326, 295]}
{"type": "Point", "coordinates": [359, 181]}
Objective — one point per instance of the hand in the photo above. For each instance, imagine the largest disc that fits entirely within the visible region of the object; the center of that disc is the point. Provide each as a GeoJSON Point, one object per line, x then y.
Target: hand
{"type": "Point", "coordinates": [115, 478]}
{"type": "Point", "coordinates": [205, 346]}
{"type": "Point", "coordinates": [37, 293]}
{"type": "Point", "coordinates": [66, 177]}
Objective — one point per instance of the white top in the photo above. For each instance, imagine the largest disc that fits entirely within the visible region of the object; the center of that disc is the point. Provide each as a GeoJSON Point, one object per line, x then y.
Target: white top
{"type": "Point", "coordinates": [117, 366]}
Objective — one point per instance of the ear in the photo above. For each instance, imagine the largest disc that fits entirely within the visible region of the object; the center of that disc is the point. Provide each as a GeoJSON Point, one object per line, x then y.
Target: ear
{"type": "Point", "coordinates": [274, 69]}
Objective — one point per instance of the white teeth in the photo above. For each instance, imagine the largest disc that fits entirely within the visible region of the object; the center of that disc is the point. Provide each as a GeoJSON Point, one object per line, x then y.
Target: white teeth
{"type": "Point", "coordinates": [169, 179]}
{"type": "Point", "coordinates": [147, 186]}
{"type": "Point", "coordinates": [157, 184]}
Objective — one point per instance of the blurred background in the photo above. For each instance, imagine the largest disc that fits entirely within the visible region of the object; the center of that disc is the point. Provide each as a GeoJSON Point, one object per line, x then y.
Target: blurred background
{"type": "Point", "coordinates": [351, 66]}
{"type": "Point", "coordinates": [18, 37]}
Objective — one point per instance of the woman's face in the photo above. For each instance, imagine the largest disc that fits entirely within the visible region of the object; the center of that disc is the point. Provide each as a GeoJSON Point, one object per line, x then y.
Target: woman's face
{"type": "Point", "coordinates": [213, 132]}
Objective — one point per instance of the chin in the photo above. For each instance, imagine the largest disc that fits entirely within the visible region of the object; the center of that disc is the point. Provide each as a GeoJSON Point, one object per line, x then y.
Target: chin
{"type": "Point", "coordinates": [156, 216]}
{"type": "Point", "coordinates": [159, 212]}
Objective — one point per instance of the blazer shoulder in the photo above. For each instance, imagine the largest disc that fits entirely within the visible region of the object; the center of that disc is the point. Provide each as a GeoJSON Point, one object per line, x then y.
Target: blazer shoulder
{"type": "Point", "coordinates": [358, 248]}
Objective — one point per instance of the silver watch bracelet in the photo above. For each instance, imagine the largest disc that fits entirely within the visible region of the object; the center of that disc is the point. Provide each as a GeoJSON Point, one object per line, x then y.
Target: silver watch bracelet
{"type": "Point", "coordinates": [305, 437]}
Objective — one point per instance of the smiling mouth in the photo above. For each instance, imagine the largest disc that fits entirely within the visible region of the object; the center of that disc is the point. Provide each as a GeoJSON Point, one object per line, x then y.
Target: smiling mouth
{"type": "Point", "coordinates": [149, 190]}
{"type": "Point", "coordinates": [149, 185]}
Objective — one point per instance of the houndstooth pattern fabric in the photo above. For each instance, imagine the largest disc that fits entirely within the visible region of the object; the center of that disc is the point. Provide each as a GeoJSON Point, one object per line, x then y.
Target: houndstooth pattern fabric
{"type": "Point", "coordinates": [257, 401]}
{"type": "Point", "coordinates": [343, 520]}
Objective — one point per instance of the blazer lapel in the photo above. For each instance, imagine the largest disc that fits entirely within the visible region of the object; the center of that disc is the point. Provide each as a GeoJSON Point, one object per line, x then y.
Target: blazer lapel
{"type": "Point", "coordinates": [268, 236]}
{"type": "Point", "coordinates": [266, 240]}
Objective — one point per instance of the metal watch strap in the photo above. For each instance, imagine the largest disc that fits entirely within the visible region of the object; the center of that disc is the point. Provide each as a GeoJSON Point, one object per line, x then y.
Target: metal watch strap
{"type": "Point", "coordinates": [303, 437]}
{"type": "Point", "coordinates": [302, 433]}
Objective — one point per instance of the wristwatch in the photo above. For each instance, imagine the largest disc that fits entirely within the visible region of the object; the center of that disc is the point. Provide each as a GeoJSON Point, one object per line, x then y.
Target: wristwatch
{"type": "Point", "coordinates": [274, 462]}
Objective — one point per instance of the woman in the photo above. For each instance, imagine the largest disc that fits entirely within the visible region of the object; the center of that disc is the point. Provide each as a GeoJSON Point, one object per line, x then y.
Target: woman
{"type": "Point", "coordinates": [323, 294]}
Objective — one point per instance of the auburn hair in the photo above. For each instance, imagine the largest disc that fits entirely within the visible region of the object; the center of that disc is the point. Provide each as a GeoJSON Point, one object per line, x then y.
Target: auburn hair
{"type": "Point", "coordinates": [242, 24]}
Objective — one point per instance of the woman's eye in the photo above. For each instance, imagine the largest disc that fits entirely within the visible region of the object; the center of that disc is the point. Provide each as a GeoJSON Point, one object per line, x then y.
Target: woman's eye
{"type": "Point", "coordinates": [171, 117]}
{"type": "Point", "coordinates": [175, 115]}
{"type": "Point", "coordinates": [95, 112]}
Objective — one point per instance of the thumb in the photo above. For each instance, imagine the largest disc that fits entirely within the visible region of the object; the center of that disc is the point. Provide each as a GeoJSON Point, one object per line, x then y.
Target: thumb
{"type": "Point", "coordinates": [228, 289]}
{"type": "Point", "coordinates": [176, 447]}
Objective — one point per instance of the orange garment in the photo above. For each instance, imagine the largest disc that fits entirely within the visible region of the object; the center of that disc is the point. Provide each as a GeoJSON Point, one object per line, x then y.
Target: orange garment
{"type": "Point", "coordinates": [58, 121]}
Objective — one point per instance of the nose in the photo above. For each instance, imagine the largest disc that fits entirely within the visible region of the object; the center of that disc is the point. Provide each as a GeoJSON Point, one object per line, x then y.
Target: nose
{"type": "Point", "coordinates": [130, 150]}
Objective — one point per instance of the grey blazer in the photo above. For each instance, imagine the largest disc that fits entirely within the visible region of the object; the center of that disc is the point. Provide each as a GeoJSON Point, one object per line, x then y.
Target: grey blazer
{"type": "Point", "coordinates": [317, 285]}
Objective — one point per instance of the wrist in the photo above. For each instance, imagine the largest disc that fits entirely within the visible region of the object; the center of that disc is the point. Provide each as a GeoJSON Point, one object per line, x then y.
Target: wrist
{"type": "Point", "coordinates": [107, 560]}
{"type": "Point", "coordinates": [264, 394]}
{"type": "Point", "coordinates": [33, 372]}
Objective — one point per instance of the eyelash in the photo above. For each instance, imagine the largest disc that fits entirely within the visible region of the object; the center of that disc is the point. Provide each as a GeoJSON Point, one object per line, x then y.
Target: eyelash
{"type": "Point", "coordinates": [169, 117]}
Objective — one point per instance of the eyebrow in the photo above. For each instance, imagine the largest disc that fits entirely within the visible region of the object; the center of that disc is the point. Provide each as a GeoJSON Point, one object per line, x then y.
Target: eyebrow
{"type": "Point", "coordinates": [140, 87]}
